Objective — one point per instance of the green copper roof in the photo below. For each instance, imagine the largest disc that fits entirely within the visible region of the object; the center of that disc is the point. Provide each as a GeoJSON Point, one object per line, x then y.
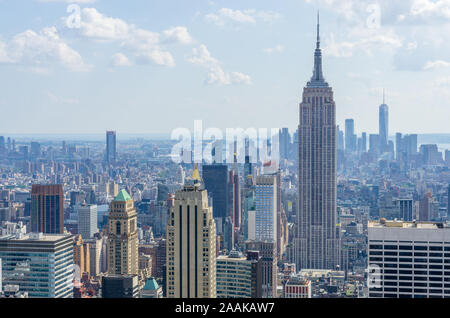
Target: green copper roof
{"type": "Point", "coordinates": [151, 284]}
{"type": "Point", "coordinates": [123, 196]}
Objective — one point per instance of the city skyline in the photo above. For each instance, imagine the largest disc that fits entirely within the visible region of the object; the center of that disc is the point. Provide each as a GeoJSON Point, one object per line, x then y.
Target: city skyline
{"type": "Point", "coordinates": [70, 72]}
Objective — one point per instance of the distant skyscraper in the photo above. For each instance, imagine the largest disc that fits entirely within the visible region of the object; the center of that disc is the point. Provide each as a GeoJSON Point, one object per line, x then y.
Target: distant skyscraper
{"type": "Point", "coordinates": [285, 141]}
{"type": "Point", "coordinates": [384, 126]}
{"type": "Point", "coordinates": [122, 236]}
{"type": "Point", "coordinates": [111, 150]}
{"type": "Point", "coordinates": [350, 137]}
{"type": "Point", "coordinates": [47, 209]}
{"type": "Point", "coordinates": [340, 139]}
{"type": "Point", "coordinates": [364, 142]}
{"type": "Point", "coordinates": [317, 242]}
{"type": "Point", "coordinates": [191, 245]}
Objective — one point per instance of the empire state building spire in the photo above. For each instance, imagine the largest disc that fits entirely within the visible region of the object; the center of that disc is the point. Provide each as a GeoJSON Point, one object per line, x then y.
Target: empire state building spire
{"type": "Point", "coordinates": [317, 79]}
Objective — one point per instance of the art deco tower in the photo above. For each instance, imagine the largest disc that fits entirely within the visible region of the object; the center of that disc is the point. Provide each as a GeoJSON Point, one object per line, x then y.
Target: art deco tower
{"type": "Point", "coordinates": [122, 236]}
{"type": "Point", "coordinates": [317, 242]}
{"type": "Point", "coordinates": [191, 243]}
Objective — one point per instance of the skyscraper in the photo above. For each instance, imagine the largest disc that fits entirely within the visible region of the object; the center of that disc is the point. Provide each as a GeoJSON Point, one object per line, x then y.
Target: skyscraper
{"type": "Point", "coordinates": [317, 241]}
{"type": "Point", "coordinates": [266, 208]}
{"type": "Point", "coordinates": [215, 178]}
{"type": "Point", "coordinates": [122, 236]}
{"type": "Point", "coordinates": [384, 126]}
{"type": "Point", "coordinates": [87, 221]}
{"type": "Point", "coordinates": [40, 264]}
{"type": "Point", "coordinates": [350, 137]}
{"type": "Point", "coordinates": [191, 245]}
{"type": "Point", "coordinates": [111, 150]}
{"type": "Point", "coordinates": [47, 209]}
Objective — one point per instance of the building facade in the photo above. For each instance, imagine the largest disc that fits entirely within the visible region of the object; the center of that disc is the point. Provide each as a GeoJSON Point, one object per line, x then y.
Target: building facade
{"type": "Point", "coordinates": [191, 245]}
{"type": "Point", "coordinates": [47, 209]}
{"type": "Point", "coordinates": [40, 264]}
{"type": "Point", "coordinates": [122, 236]}
{"type": "Point", "coordinates": [317, 240]}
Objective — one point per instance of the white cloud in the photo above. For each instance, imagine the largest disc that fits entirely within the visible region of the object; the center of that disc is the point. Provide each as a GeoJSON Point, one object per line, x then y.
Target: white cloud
{"type": "Point", "coordinates": [178, 34]}
{"type": "Point", "coordinates": [277, 49]}
{"type": "Point", "coordinates": [251, 16]}
{"type": "Point", "coordinates": [119, 59]}
{"type": "Point", "coordinates": [201, 56]}
{"type": "Point", "coordinates": [98, 26]}
{"type": "Point", "coordinates": [216, 75]}
{"type": "Point", "coordinates": [438, 64]}
{"type": "Point", "coordinates": [144, 45]}
{"type": "Point", "coordinates": [41, 49]}
{"type": "Point", "coordinates": [367, 43]}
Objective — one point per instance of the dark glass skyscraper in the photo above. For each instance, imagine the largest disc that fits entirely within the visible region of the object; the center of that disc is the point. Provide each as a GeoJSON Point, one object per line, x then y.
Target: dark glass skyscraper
{"type": "Point", "coordinates": [47, 209]}
{"type": "Point", "coordinates": [317, 242]}
{"type": "Point", "coordinates": [215, 178]}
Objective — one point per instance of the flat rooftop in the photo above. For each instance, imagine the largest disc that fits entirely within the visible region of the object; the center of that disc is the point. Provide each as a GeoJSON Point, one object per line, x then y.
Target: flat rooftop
{"type": "Point", "coordinates": [407, 225]}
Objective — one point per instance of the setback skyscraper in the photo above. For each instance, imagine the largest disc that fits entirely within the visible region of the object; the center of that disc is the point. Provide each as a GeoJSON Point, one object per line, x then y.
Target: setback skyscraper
{"type": "Point", "coordinates": [317, 241]}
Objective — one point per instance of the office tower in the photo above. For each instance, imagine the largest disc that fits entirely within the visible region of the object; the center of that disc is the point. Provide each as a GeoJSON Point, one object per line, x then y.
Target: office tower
{"type": "Point", "coordinates": [235, 195]}
{"type": "Point", "coordinates": [120, 286]}
{"type": "Point", "coordinates": [81, 255]}
{"type": "Point", "coordinates": [2, 145]}
{"type": "Point", "coordinates": [374, 144]}
{"type": "Point", "coordinates": [285, 141]}
{"type": "Point", "coordinates": [428, 208]}
{"type": "Point", "coordinates": [122, 236]}
{"type": "Point", "coordinates": [364, 142]}
{"type": "Point", "coordinates": [248, 168]}
{"type": "Point", "coordinates": [35, 150]}
{"type": "Point", "coordinates": [40, 264]}
{"type": "Point", "coordinates": [430, 154]}
{"type": "Point", "coordinates": [350, 137]}
{"type": "Point", "coordinates": [111, 150]}
{"type": "Point", "coordinates": [215, 178]}
{"type": "Point", "coordinates": [268, 253]}
{"type": "Point", "coordinates": [1, 278]}
{"type": "Point", "coordinates": [87, 220]}
{"type": "Point", "coordinates": [238, 276]}
{"type": "Point", "coordinates": [47, 209]}
{"type": "Point", "coordinates": [383, 126]}
{"type": "Point", "coordinates": [407, 260]}
{"type": "Point", "coordinates": [340, 139]}
{"type": "Point", "coordinates": [405, 209]}
{"type": "Point", "coordinates": [266, 208]}
{"type": "Point", "coordinates": [317, 243]}
{"type": "Point", "coordinates": [191, 245]}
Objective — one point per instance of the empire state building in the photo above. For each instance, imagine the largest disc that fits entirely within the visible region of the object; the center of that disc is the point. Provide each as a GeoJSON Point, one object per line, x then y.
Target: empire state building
{"type": "Point", "coordinates": [317, 243]}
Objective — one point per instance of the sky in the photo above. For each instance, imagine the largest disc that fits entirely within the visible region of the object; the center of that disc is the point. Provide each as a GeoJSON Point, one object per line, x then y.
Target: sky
{"type": "Point", "coordinates": [150, 66]}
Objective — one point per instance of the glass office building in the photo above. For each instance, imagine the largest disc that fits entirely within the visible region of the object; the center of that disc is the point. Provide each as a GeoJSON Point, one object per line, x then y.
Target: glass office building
{"type": "Point", "coordinates": [40, 264]}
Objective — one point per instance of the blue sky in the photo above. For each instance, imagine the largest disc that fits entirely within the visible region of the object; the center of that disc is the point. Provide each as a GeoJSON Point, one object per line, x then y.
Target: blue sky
{"type": "Point", "coordinates": [144, 66]}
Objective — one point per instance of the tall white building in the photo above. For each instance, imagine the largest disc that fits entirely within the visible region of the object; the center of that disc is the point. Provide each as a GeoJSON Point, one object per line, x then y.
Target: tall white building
{"type": "Point", "coordinates": [266, 208]}
{"type": "Point", "coordinates": [409, 259]}
{"type": "Point", "coordinates": [87, 221]}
